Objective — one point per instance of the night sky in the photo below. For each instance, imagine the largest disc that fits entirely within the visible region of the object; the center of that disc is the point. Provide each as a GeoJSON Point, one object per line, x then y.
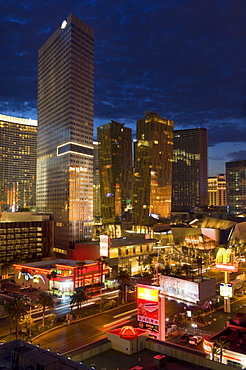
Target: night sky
{"type": "Point", "coordinates": [183, 59]}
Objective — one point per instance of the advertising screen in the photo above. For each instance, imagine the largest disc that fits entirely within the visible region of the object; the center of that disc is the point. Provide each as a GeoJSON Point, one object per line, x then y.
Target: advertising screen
{"type": "Point", "coordinates": [226, 290]}
{"type": "Point", "coordinates": [104, 245]}
{"type": "Point", "coordinates": [148, 308]}
{"type": "Point", "coordinates": [179, 288]}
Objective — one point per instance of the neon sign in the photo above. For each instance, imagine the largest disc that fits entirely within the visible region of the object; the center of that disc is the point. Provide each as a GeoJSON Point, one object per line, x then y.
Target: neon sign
{"type": "Point", "coordinates": [28, 276]}
{"type": "Point", "coordinates": [231, 268]}
{"type": "Point", "coordinates": [225, 260]}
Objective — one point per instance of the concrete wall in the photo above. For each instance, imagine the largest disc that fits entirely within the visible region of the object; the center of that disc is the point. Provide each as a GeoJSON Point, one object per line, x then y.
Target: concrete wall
{"type": "Point", "coordinates": [88, 351]}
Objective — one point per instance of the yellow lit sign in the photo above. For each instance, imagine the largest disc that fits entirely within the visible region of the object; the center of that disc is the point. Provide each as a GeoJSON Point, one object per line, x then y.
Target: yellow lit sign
{"type": "Point", "coordinates": [148, 294]}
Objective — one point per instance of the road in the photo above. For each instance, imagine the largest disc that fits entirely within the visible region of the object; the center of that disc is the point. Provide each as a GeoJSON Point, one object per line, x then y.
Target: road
{"type": "Point", "coordinates": [60, 309]}
{"type": "Point", "coordinates": [86, 331]}
{"type": "Point", "coordinates": [89, 330]}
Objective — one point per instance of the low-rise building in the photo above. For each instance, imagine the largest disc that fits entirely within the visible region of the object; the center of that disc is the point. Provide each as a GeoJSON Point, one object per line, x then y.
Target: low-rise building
{"type": "Point", "coordinates": [232, 340]}
{"type": "Point", "coordinates": [61, 275]}
{"type": "Point", "coordinates": [131, 254]}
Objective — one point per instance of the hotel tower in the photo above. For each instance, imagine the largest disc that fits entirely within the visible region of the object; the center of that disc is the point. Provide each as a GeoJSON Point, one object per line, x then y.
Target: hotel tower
{"type": "Point", "coordinates": [65, 131]}
{"type": "Point", "coordinates": [153, 170]}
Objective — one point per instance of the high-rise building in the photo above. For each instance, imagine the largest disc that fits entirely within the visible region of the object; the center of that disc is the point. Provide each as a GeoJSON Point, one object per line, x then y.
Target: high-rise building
{"type": "Point", "coordinates": [18, 156]}
{"type": "Point", "coordinates": [115, 167]}
{"type": "Point", "coordinates": [153, 169]}
{"type": "Point", "coordinates": [65, 131]}
{"type": "Point", "coordinates": [190, 169]}
{"type": "Point", "coordinates": [96, 187]}
{"type": "Point", "coordinates": [25, 236]}
{"type": "Point", "coordinates": [217, 191]}
{"type": "Point", "coordinates": [236, 189]}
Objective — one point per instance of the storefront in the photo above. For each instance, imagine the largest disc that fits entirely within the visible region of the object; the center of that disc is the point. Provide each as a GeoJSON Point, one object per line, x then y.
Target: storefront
{"type": "Point", "coordinates": [61, 275]}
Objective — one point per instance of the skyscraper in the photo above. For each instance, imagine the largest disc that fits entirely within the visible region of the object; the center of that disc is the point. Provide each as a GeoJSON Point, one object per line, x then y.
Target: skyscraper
{"type": "Point", "coordinates": [236, 189]}
{"type": "Point", "coordinates": [18, 156]}
{"type": "Point", "coordinates": [153, 169]}
{"type": "Point", "coordinates": [115, 167]}
{"type": "Point", "coordinates": [65, 131]}
{"type": "Point", "coordinates": [96, 186]}
{"type": "Point", "coordinates": [190, 169]}
{"type": "Point", "coordinates": [217, 191]}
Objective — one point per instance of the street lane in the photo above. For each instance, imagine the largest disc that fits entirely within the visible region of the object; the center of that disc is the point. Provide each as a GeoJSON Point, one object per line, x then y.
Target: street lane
{"type": "Point", "coordinates": [94, 328]}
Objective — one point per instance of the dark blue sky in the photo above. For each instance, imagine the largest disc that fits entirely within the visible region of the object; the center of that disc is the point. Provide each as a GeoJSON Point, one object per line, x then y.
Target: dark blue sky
{"type": "Point", "coordinates": [184, 59]}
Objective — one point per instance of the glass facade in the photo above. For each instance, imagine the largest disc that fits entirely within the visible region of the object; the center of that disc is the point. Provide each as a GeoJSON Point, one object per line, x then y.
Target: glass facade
{"type": "Point", "coordinates": [18, 156]}
{"type": "Point", "coordinates": [65, 131]}
{"type": "Point", "coordinates": [153, 169]}
{"type": "Point", "coordinates": [236, 186]}
{"type": "Point", "coordinates": [115, 168]}
{"type": "Point", "coordinates": [96, 186]}
{"type": "Point", "coordinates": [190, 169]}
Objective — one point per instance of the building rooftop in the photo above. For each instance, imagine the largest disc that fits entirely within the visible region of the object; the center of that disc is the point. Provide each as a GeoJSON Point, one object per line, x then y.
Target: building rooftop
{"type": "Point", "coordinates": [49, 264]}
{"type": "Point", "coordinates": [26, 356]}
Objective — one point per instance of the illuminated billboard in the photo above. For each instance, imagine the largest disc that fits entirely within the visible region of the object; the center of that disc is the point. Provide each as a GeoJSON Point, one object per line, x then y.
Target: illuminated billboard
{"type": "Point", "coordinates": [104, 245]}
{"type": "Point", "coordinates": [225, 260]}
{"type": "Point", "coordinates": [148, 308]}
{"type": "Point", "coordinates": [179, 288]}
{"type": "Point", "coordinates": [226, 290]}
{"type": "Point", "coordinates": [148, 293]}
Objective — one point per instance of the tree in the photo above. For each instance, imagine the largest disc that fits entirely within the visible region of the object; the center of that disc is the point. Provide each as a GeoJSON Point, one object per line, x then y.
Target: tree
{"type": "Point", "coordinates": [8, 308]}
{"type": "Point", "coordinates": [24, 271]}
{"type": "Point", "coordinates": [215, 351]}
{"type": "Point", "coordinates": [44, 301]}
{"type": "Point", "coordinates": [221, 343]}
{"type": "Point", "coordinates": [15, 310]}
{"type": "Point", "coordinates": [52, 276]}
{"type": "Point", "coordinates": [124, 280]}
{"type": "Point", "coordinates": [77, 299]}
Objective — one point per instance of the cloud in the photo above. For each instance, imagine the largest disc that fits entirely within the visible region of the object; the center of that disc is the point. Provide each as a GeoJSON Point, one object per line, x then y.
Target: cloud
{"type": "Point", "coordinates": [236, 156]}
{"type": "Point", "coordinates": [182, 59]}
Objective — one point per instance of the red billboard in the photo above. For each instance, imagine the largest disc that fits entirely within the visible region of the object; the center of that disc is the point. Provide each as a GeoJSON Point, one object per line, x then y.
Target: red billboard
{"type": "Point", "coordinates": [148, 308]}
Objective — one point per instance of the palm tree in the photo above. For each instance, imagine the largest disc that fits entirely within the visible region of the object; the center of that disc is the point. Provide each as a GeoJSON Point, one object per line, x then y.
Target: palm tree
{"type": "Point", "coordinates": [124, 280]}
{"type": "Point", "coordinates": [24, 271]}
{"type": "Point", "coordinates": [221, 343]}
{"type": "Point", "coordinates": [8, 308]}
{"type": "Point", "coordinates": [53, 275]}
{"type": "Point", "coordinates": [78, 298]}
{"type": "Point", "coordinates": [215, 351]}
{"type": "Point", "coordinates": [44, 301]}
{"type": "Point", "coordinates": [50, 276]}
{"type": "Point", "coordinates": [15, 309]}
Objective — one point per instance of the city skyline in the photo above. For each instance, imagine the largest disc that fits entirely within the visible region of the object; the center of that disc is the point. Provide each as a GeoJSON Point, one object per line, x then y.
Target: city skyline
{"type": "Point", "coordinates": [184, 61]}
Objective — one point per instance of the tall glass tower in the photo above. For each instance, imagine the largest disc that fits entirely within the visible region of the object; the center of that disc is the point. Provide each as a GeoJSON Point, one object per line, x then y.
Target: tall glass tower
{"type": "Point", "coordinates": [65, 131]}
{"type": "Point", "coordinates": [190, 169]}
{"type": "Point", "coordinates": [236, 189]}
{"type": "Point", "coordinates": [153, 169]}
{"type": "Point", "coordinates": [115, 166]}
